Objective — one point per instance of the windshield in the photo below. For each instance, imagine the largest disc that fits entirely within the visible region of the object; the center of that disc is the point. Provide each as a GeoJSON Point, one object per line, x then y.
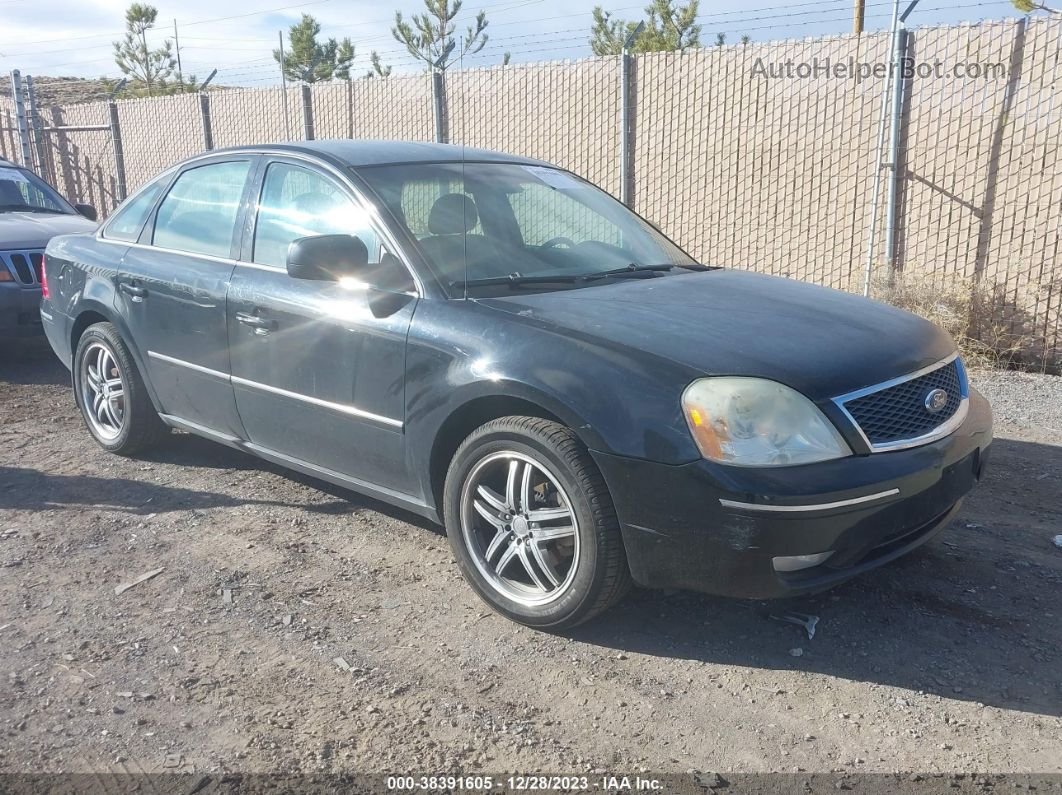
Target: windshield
{"type": "Point", "coordinates": [517, 224]}
{"type": "Point", "coordinates": [23, 191]}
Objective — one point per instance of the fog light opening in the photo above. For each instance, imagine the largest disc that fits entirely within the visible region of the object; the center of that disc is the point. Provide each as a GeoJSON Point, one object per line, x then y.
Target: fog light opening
{"type": "Point", "coordinates": [798, 562]}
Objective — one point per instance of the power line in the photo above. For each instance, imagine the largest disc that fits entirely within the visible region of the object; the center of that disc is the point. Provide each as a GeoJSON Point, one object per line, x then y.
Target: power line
{"type": "Point", "coordinates": [557, 40]}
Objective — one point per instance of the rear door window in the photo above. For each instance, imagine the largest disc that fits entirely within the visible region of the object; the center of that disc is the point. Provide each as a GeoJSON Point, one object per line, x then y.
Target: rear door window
{"type": "Point", "coordinates": [128, 221]}
{"type": "Point", "coordinates": [199, 213]}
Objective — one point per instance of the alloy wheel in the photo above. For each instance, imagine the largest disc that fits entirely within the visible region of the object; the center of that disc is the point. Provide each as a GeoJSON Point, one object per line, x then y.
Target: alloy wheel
{"type": "Point", "coordinates": [519, 527]}
{"type": "Point", "coordinates": [102, 391]}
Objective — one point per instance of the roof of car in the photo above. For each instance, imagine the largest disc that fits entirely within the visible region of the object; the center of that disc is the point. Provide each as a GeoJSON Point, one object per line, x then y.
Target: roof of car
{"type": "Point", "coordinates": [377, 153]}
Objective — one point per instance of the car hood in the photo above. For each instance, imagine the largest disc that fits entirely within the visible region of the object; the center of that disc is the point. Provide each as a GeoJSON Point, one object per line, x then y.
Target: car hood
{"type": "Point", "coordinates": [820, 341]}
{"type": "Point", "coordinates": [34, 230]}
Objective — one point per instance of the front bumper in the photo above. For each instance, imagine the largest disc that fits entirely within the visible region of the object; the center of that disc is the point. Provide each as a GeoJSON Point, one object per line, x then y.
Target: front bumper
{"type": "Point", "coordinates": [717, 529]}
{"type": "Point", "coordinates": [19, 310]}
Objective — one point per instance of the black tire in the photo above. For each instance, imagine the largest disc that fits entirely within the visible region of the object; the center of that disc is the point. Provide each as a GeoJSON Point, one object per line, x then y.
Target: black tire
{"type": "Point", "coordinates": [597, 577]}
{"type": "Point", "coordinates": [140, 426]}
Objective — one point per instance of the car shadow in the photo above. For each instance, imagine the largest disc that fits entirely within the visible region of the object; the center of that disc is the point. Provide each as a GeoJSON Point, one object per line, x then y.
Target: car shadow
{"type": "Point", "coordinates": [973, 615]}
{"type": "Point", "coordinates": [968, 617]}
{"type": "Point", "coordinates": [30, 362]}
{"type": "Point", "coordinates": [188, 450]}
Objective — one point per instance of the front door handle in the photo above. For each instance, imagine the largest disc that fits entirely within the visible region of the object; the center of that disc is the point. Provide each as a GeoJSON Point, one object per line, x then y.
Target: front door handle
{"type": "Point", "coordinates": [260, 325]}
{"type": "Point", "coordinates": [136, 293]}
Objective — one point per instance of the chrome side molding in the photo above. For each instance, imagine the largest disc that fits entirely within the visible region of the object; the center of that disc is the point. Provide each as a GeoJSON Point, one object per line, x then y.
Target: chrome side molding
{"type": "Point", "coordinates": [342, 408]}
{"type": "Point", "coordinates": [819, 506]}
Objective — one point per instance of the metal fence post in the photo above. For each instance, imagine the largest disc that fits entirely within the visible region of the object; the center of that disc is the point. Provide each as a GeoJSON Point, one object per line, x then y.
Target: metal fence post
{"type": "Point", "coordinates": [35, 124]}
{"type": "Point", "coordinates": [899, 52]}
{"type": "Point", "coordinates": [626, 120]}
{"type": "Point", "coordinates": [119, 152]}
{"type": "Point", "coordinates": [438, 92]}
{"type": "Point", "coordinates": [204, 113]}
{"type": "Point", "coordinates": [20, 118]}
{"type": "Point", "coordinates": [307, 113]}
{"type": "Point", "coordinates": [350, 109]}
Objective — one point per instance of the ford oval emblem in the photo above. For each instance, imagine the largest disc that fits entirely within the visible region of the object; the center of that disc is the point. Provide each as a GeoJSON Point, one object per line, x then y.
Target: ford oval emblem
{"type": "Point", "coordinates": [936, 399]}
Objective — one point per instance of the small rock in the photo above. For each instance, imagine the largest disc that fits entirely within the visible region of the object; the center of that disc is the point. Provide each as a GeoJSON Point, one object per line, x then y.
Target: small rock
{"type": "Point", "coordinates": [708, 779]}
{"type": "Point", "coordinates": [286, 620]}
{"type": "Point", "coordinates": [341, 663]}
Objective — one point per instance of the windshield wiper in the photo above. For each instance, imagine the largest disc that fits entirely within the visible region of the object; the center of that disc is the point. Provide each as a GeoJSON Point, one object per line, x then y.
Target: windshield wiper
{"type": "Point", "coordinates": [515, 279]}
{"type": "Point", "coordinates": [633, 270]}
{"type": "Point", "coordinates": [627, 272]}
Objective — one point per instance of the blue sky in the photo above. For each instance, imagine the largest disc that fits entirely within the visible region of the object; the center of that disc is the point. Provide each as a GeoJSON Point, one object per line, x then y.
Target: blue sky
{"type": "Point", "coordinates": [64, 37]}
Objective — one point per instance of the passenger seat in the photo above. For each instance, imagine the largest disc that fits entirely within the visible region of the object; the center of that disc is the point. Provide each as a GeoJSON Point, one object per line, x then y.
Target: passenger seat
{"type": "Point", "coordinates": [451, 219]}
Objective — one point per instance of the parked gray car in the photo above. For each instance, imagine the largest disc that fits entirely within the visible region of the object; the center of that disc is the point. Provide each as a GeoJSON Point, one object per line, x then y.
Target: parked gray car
{"type": "Point", "coordinates": [31, 214]}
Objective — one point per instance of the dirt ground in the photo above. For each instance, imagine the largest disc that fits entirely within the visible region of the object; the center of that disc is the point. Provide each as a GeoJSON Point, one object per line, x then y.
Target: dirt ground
{"type": "Point", "coordinates": [296, 627]}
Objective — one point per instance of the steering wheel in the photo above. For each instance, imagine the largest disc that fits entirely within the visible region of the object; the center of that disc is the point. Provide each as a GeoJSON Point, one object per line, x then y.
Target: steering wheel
{"type": "Point", "coordinates": [556, 241]}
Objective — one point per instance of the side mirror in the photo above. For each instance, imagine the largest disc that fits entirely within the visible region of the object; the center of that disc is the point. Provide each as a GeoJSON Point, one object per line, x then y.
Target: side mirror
{"type": "Point", "coordinates": [327, 258]}
{"type": "Point", "coordinates": [88, 211]}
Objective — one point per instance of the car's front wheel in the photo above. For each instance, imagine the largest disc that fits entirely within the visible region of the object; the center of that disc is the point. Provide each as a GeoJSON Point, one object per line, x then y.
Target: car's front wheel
{"type": "Point", "coordinates": [111, 394]}
{"type": "Point", "coordinates": [532, 524]}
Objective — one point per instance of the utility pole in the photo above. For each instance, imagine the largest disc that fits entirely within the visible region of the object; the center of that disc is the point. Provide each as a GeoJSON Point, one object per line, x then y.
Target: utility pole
{"type": "Point", "coordinates": [284, 83]}
{"type": "Point", "coordinates": [859, 16]}
{"type": "Point", "coordinates": [177, 44]}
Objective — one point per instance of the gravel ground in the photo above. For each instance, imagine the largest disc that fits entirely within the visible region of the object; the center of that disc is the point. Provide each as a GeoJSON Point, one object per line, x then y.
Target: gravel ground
{"type": "Point", "coordinates": [1027, 400]}
{"type": "Point", "coordinates": [295, 627]}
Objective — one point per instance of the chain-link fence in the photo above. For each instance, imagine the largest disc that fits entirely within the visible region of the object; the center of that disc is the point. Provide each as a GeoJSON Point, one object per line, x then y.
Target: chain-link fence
{"type": "Point", "coordinates": [761, 156]}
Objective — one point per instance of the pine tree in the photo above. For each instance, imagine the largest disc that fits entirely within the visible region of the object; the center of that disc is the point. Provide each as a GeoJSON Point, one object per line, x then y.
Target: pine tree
{"type": "Point", "coordinates": [378, 69]}
{"type": "Point", "coordinates": [667, 27]}
{"type": "Point", "coordinates": [145, 68]}
{"type": "Point", "coordinates": [307, 60]}
{"type": "Point", "coordinates": [430, 36]}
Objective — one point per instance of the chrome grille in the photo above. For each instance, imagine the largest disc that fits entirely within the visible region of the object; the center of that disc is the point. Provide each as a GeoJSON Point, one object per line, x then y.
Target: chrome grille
{"type": "Point", "coordinates": [26, 265]}
{"type": "Point", "coordinates": [894, 415]}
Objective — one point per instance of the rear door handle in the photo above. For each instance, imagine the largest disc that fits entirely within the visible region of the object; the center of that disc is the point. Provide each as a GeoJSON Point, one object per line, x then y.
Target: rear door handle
{"type": "Point", "coordinates": [260, 325]}
{"type": "Point", "coordinates": [136, 293]}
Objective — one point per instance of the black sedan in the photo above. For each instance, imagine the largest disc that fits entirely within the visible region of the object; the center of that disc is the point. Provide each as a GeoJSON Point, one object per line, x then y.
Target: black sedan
{"type": "Point", "coordinates": [497, 345]}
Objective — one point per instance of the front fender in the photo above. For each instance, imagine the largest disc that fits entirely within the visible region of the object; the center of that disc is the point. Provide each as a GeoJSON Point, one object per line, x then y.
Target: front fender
{"type": "Point", "coordinates": [618, 401]}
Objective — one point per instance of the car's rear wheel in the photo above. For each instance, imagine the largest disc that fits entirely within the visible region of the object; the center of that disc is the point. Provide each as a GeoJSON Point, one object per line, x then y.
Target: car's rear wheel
{"type": "Point", "coordinates": [532, 524]}
{"type": "Point", "coordinates": [111, 394]}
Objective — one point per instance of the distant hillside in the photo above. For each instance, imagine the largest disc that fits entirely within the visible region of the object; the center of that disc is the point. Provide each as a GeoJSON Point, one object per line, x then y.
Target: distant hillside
{"type": "Point", "coordinates": [60, 90]}
{"type": "Point", "coordinates": [72, 90]}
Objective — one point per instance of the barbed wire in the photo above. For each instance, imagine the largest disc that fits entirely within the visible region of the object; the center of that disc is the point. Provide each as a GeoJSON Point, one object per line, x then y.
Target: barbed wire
{"type": "Point", "coordinates": [712, 18]}
{"type": "Point", "coordinates": [256, 71]}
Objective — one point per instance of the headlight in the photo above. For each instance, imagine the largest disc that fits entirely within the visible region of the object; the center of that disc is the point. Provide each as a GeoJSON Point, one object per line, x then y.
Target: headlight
{"type": "Point", "coordinates": [755, 422]}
